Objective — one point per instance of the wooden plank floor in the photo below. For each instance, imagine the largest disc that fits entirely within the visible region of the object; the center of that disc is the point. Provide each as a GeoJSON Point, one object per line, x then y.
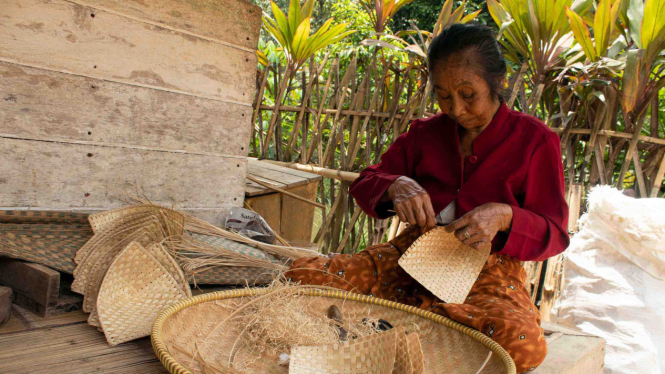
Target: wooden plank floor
{"type": "Point", "coordinates": [67, 344]}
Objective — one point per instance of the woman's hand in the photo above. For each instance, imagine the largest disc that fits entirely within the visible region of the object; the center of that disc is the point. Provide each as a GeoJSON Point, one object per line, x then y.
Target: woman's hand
{"type": "Point", "coordinates": [482, 224]}
{"type": "Point", "coordinates": [412, 203]}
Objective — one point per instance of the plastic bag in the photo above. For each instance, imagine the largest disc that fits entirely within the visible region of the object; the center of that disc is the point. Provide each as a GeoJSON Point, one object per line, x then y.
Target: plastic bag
{"type": "Point", "coordinates": [614, 283]}
{"type": "Point", "coordinates": [251, 225]}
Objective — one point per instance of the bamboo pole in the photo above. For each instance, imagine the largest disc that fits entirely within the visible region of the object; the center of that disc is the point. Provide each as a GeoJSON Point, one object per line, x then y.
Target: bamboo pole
{"type": "Point", "coordinates": [328, 173]}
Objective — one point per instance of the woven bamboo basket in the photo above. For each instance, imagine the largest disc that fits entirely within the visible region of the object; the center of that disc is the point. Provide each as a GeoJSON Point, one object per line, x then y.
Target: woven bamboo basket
{"type": "Point", "coordinates": [188, 328]}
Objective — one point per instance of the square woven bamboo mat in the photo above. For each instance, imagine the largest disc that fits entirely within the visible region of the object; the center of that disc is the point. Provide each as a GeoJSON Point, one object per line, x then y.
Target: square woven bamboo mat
{"type": "Point", "coordinates": [444, 265]}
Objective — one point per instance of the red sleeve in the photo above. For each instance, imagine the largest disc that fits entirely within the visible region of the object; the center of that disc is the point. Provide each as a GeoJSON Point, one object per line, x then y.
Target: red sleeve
{"type": "Point", "coordinates": [373, 182]}
{"type": "Point", "coordinates": [540, 225]}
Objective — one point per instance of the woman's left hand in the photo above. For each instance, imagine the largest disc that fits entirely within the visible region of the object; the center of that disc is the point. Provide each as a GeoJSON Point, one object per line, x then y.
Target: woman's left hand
{"type": "Point", "coordinates": [481, 225]}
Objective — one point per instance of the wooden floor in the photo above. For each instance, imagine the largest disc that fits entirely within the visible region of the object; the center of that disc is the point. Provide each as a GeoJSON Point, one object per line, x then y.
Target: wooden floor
{"type": "Point", "coordinates": [67, 344]}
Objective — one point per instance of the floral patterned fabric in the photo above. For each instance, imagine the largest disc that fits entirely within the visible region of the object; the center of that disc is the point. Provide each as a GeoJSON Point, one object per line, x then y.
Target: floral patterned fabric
{"type": "Point", "coordinates": [498, 304]}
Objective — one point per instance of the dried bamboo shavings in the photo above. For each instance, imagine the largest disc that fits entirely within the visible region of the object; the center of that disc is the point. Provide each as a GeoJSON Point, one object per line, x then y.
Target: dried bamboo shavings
{"type": "Point", "coordinates": [271, 326]}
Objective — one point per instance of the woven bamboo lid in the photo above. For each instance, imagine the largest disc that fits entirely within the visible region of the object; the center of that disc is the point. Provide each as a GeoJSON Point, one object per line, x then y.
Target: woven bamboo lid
{"type": "Point", "coordinates": [444, 265]}
{"type": "Point", "coordinates": [136, 287]}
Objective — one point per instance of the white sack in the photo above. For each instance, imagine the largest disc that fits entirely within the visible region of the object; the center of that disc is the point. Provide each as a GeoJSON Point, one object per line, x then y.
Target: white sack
{"type": "Point", "coordinates": [614, 282]}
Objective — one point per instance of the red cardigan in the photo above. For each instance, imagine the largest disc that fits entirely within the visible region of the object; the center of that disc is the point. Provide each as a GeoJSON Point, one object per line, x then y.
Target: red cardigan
{"type": "Point", "coordinates": [516, 160]}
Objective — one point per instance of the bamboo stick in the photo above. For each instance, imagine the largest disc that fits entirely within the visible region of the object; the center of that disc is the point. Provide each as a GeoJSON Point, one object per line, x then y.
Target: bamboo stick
{"type": "Point", "coordinates": [278, 101]}
{"type": "Point", "coordinates": [639, 175]}
{"type": "Point", "coordinates": [257, 104]}
{"type": "Point", "coordinates": [349, 227]}
{"type": "Point", "coordinates": [284, 192]}
{"type": "Point", "coordinates": [658, 180]}
{"type": "Point", "coordinates": [328, 173]}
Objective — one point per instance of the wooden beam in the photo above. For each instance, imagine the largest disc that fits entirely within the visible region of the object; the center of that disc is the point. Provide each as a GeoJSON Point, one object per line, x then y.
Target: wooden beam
{"type": "Point", "coordinates": [33, 281]}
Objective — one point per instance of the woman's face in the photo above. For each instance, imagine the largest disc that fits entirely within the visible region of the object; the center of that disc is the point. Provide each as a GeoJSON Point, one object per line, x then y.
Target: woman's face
{"type": "Point", "coordinates": [462, 94]}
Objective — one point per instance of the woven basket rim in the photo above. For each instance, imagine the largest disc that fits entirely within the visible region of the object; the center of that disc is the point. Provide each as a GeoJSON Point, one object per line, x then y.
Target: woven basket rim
{"type": "Point", "coordinates": [174, 367]}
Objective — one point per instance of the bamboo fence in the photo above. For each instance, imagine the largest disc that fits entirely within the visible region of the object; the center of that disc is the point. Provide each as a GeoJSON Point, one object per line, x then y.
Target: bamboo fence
{"type": "Point", "coordinates": [342, 121]}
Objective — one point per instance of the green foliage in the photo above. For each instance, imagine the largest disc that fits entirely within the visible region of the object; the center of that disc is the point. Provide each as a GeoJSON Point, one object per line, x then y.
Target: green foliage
{"type": "Point", "coordinates": [293, 32]}
{"type": "Point", "coordinates": [424, 14]}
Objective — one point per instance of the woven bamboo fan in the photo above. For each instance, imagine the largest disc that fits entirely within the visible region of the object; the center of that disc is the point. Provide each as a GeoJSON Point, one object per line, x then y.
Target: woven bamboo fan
{"type": "Point", "coordinates": [135, 288]}
{"type": "Point", "coordinates": [444, 265]}
{"type": "Point", "coordinates": [186, 339]}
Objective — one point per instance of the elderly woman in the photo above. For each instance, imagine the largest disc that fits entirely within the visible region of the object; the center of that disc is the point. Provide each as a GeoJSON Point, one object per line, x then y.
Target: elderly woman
{"type": "Point", "coordinates": [490, 174]}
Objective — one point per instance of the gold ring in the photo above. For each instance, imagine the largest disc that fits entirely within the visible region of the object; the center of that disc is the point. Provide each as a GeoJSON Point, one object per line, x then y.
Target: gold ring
{"type": "Point", "coordinates": [466, 234]}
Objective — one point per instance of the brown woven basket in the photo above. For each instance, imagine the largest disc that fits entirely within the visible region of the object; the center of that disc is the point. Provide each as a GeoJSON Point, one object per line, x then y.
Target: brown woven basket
{"type": "Point", "coordinates": [447, 346]}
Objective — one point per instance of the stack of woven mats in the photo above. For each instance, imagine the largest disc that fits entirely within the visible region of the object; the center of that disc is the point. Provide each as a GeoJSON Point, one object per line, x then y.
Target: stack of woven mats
{"type": "Point", "coordinates": [49, 238]}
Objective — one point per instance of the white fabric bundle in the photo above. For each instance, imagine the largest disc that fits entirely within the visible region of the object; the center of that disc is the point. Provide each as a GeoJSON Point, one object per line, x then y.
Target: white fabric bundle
{"type": "Point", "coordinates": [615, 280]}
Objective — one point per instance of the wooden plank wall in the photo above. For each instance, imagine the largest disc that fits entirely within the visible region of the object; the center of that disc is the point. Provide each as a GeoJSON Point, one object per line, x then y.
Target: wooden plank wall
{"type": "Point", "coordinates": [99, 98]}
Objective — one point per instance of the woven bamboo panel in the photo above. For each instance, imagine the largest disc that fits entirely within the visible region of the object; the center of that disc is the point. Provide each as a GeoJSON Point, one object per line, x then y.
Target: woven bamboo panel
{"type": "Point", "coordinates": [52, 245]}
{"type": "Point", "coordinates": [232, 275]}
{"type": "Point", "coordinates": [444, 265]}
{"type": "Point", "coordinates": [43, 217]}
{"type": "Point", "coordinates": [371, 354]}
{"type": "Point", "coordinates": [135, 289]}
{"type": "Point", "coordinates": [409, 354]}
{"type": "Point", "coordinates": [164, 258]}
{"type": "Point", "coordinates": [143, 237]}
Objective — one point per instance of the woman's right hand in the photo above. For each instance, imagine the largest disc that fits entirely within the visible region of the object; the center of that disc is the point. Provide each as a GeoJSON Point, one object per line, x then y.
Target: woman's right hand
{"type": "Point", "coordinates": [412, 203]}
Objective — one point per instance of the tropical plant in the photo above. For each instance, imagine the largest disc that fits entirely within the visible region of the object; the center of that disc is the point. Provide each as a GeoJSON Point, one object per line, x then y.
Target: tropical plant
{"type": "Point", "coordinates": [535, 32]}
{"type": "Point", "coordinates": [382, 11]}
{"type": "Point", "coordinates": [292, 33]}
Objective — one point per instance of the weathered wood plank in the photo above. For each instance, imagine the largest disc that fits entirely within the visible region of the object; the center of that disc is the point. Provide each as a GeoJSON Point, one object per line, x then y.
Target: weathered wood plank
{"type": "Point", "coordinates": [64, 176]}
{"type": "Point", "coordinates": [22, 320]}
{"type": "Point", "coordinates": [268, 164]}
{"type": "Point", "coordinates": [230, 21]}
{"type": "Point", "coordinates": [68, 37]}
{"type": "Point", "coordinates": [75, 348]}
{"type": "Point", "coordinates": [277, 176]}
{"type": "Point", "coordinates": [42, 103]}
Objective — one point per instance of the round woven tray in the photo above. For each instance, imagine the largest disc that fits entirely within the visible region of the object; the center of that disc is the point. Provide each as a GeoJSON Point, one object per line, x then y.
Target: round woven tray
{"type": "Point", "coordinates": [447, 346]}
